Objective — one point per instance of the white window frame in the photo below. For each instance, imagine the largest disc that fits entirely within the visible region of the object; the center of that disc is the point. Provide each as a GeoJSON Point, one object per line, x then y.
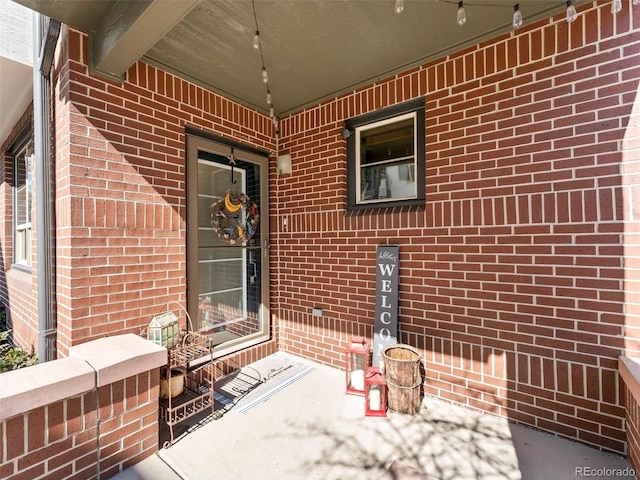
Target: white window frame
{"type": "Point", "coordinates": [22, 158]}
{"type": "Point", "coordinates": [359, 131]}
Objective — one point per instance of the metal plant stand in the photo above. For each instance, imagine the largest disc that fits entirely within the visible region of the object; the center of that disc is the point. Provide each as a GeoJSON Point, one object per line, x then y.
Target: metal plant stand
{"type": "Point", "coordinates": [197, 395]}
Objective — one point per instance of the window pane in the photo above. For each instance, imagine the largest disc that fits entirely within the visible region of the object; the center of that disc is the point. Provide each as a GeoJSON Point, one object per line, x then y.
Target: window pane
{"type": "Point", "coordinates": [229, 275]}
{"type": "Point", "coordinates": [395, 181]}
{"type": "Point", "coordinates": [389, 141]}
{"type": "Point", "coordinates": [218, 275]}
{"type": "Point", "coordinates": [23, 187]}
{"type": "Point", "coordinates": [387, 160]}
{"type": "Point", "coordinates": [22, 181]}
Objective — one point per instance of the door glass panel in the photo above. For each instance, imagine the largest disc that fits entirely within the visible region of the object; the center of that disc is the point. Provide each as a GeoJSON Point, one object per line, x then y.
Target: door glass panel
{"type": "Point", "coordinates": [229, 275]}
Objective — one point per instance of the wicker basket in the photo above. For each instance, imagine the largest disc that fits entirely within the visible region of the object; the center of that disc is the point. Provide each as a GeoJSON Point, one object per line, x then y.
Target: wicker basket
{"type": "Point", "coordinates": [404, 382]}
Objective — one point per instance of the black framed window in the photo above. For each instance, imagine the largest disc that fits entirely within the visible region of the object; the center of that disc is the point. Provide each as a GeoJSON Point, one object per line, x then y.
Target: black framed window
{"type": "Point", "coordinates": [385, 157]}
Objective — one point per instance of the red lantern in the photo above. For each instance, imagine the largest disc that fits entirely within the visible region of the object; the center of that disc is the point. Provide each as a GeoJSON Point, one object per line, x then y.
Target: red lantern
{"type": "Point", "coordinates": [357, 361]}
{"type": "Point", "coordinates": [375, 397]}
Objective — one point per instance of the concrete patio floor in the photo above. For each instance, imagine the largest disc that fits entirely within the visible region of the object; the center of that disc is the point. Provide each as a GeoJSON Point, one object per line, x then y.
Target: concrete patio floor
{"type": "Point", "coordinates": [311, 429]}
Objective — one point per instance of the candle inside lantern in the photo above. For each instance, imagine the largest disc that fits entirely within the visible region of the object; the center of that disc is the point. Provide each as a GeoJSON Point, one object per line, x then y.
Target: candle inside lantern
{"type": "Point", "coordinates": [357, 379]}
{"type": "Point", "coordinates": [375, 400]}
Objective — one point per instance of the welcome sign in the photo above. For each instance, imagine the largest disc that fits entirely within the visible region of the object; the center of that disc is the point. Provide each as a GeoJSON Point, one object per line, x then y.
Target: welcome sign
{"type": "Point", "coordinates": [385, 331]}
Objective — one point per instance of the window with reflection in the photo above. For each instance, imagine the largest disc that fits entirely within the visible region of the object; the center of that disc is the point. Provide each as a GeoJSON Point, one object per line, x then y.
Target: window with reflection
{"type": "Point", "coordinates": [385, 161]}
{"type": "Point", "coordinates": [22, 153]}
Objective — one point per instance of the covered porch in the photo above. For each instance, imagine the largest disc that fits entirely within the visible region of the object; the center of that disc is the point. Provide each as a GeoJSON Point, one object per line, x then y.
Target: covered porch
{"type": "Point", "coordinates": [312, 429]}
{"type": "Point", "coordinates": [518, 269]}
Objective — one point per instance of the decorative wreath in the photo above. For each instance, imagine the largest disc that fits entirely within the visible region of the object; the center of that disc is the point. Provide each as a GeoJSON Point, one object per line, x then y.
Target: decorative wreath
{"type": "Point", "coordinates": [234, 217]}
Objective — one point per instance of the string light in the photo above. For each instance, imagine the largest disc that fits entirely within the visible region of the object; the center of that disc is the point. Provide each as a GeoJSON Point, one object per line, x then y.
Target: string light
{"type": "Point", "coordinates": [257, 44]}
{"type": "Point", "coordinates": [616, 6]}
{"type": "Point", "coordinates": [517, 19]}
{"type": "Point", "coordinates": [461, 16]}
{"type": "Point", "coordinates": [571, 12]}
{"type": "Point", "coordinates": [517, 16]}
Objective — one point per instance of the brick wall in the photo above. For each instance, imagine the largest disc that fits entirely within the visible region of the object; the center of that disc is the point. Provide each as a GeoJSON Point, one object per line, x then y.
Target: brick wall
{"type": "Point", "coordinates": [512, 279]}
{"type": "Point", "coordinates": [60, 419]}
{"type": "Point", "coordinates": [128, 422]}
{"type": "Point", "coordinates": [48, 441]}
{"type": "Point", "coordinates": [120, 197]}
{"type": "Point", "coordinates": [512, 282]}
{"type": "Point", "coordinates": [121, 191]}
{"type": "Point", "coordinates": [95, 435]}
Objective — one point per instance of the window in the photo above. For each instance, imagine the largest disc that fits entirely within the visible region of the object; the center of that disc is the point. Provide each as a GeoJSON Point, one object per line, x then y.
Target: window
{"type": "Point", "coordinates": [385, 157]}
{"type": "Point", "coordinates": [22, 154]}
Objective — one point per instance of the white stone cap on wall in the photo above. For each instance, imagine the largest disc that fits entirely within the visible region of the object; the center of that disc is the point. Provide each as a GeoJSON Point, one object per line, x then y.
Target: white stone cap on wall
{"type": "Point", "coordinates": [120, 356]}
{"type": "Point", "coordinates": [89, 366]}
{"type": "Point", "coordinates": [32, 387]}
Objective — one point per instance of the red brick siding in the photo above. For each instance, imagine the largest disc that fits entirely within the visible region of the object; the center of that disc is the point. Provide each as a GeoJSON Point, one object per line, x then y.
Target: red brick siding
{"type": "Point", "coordinates": [121, 191]}
{"type": "Point", "coordinates": [512, 280]}
{"type": "Point", "coordinates": [129, 422]}
{"type": "Point", "coordinates": [95, 435]}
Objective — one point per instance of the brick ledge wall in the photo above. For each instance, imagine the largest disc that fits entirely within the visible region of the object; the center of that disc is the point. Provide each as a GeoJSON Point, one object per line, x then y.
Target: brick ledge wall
{"type": "Point", "coordinates": [87, 416]}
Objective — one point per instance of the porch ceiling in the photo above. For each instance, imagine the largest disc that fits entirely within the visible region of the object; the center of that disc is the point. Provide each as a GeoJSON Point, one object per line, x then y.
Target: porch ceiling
{"type": "Point", "coordinates": [312, 49]}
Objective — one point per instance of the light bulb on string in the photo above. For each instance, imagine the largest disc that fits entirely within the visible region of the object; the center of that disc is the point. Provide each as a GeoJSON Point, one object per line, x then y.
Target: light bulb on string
{"type": "Point", "coordinates": [256, 40]}
{"type": "Point", "coordinates": [616, 6]}
{"type": "Point", "coordinates": [399, 6]}
{"type": "Point", "coordinates": [272, 112]}
{"type": "Point", "coordinates": [265, 75]}
{"type": "Point", "coordinates": [461, 17]}
{"type": "Point", "coordinates": [572, 15]}
{"type": "Point", "coordinates": [268, 96]}
{"type": "Point", "coordinates": [517, 16]}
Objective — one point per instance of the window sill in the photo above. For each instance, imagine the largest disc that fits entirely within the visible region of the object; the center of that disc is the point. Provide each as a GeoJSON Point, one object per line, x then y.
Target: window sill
{"type": "Point", "coordinates": [389, 204]}
{"type": "Point", "coordinates": [21, 268]}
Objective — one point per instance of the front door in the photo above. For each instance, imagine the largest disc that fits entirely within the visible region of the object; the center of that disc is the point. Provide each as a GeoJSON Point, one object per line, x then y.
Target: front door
{"type": "Point", "coordinates": [227, 249]}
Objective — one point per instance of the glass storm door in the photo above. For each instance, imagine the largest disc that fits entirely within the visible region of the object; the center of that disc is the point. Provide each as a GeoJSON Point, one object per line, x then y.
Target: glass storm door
{"type": "Point", "coordinates": [227, 277]}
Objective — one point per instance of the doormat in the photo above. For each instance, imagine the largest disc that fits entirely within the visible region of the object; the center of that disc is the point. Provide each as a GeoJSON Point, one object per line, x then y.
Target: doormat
{"type": "Point", "coordinates": [258, 382]}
